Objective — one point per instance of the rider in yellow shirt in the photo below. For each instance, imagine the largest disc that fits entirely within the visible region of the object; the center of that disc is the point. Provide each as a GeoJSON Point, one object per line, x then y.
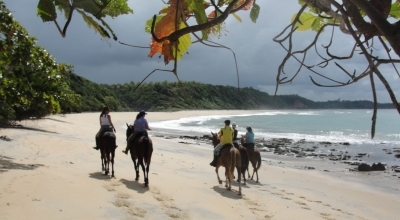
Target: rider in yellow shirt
{"type": "Point", "coordinates": [225, 135]}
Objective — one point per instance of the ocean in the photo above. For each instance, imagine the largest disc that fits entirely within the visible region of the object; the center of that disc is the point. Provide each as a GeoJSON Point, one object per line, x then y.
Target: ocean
{"type": "Point", "coordinates": [335, 126]}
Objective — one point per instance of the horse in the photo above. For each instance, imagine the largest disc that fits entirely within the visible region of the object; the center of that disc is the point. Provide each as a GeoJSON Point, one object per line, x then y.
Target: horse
{"type": "Point", "coordinates": [254, 157]}
{"type": "Point", "coordinates": [141, 150]}
{"type": "Point", "coordinates": [244, 156]}
{"type": "Point", "coordinates": [229, 158]}
{"type": "Point", "coordinates": [107, 142]}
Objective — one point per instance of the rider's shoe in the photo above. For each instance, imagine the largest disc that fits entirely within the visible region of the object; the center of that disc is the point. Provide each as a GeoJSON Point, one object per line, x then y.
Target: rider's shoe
{"type": "Point", "coordinates": [214, 162]}
{"type": "Point", "coordinates": [96, 147]}
{"type": "Point", "coordinates": [125, 151]}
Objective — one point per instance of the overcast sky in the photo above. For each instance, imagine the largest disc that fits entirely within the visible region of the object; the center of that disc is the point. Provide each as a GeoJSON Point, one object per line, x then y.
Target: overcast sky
{"type": "Point", "coordinates": [258, 56]}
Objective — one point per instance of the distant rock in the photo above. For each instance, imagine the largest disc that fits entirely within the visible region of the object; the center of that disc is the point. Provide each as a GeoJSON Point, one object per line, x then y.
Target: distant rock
{"type": "Point", "coordinates": [378, 167]}
{"type": "Point", "coordinates": [364, 167]}
{"type": "Point", "coordinates": [374, 167]}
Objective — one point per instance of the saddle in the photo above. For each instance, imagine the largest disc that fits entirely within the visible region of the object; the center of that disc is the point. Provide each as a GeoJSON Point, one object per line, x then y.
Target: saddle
{"type": "Point", "coordinates": [248, 145]}
{"type": "Point", "coordinates": [225, 146]}
{"type": "Point", "coordinates": [139, 137]}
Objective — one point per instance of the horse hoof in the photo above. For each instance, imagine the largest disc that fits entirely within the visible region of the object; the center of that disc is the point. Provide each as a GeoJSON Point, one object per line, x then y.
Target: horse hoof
{"type": "Point", "coordinates": [239, 193]}
{"type": "Point", "coordinates": [220, 182]}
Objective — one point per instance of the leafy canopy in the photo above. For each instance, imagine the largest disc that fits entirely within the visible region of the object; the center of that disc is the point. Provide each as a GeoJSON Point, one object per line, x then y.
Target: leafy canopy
{"type": "Point", "coordinates": [31, 82]}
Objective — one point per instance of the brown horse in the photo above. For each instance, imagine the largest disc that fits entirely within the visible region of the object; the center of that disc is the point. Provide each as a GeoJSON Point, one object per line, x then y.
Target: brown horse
{"type": "Point", "coordinates": [229, 158]}
{"type": "Point", "coordinates": [254, 157]}
{"type": "Point", "coordinates": [141, 150]}
{"type": "Point", "coordinates": [107, 151]}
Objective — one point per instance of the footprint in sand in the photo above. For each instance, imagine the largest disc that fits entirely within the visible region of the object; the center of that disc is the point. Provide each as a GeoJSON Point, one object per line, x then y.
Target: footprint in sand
{"type": "Point", "coordinates": [130, 208]}
{"type": "Point", "coordinates": [111, 186]}
{"type": "Point", "coordinates": [171, 210]}
{"type": "Point", "coordinates": [300, 203]}
{"type": "Point", "coordinates": [326, 216]}
{"type": "Point", "coordinates": [123, 196]}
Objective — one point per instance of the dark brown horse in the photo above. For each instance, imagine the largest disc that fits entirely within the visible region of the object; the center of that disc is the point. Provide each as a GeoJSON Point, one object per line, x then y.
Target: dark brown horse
{"type": "Point", "coordinates": [229, 158]}
{"type": "Point", "coordinates": [107, 151]}
{"type": "Point", "coordinates": [141, 150]}
{"type": "Point", "coordinates": [244, 159]}
{"type": "Point", "coordinates": [254, 157]}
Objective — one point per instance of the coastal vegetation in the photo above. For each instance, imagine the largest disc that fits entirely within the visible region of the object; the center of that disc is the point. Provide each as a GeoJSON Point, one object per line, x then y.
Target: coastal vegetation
{"type": "Point", "coordinates": [173, 96]}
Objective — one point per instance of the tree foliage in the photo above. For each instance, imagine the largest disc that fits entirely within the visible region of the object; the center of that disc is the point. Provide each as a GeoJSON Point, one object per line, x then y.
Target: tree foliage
{"type": "Point", "coordinates": [32, 84]}
{"type": "Point", "coordinates": [88, 9]}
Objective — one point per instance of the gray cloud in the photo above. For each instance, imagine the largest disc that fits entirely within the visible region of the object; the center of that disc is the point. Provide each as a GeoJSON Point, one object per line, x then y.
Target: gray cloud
{"type": "Point", "coordinates": [258, 57]}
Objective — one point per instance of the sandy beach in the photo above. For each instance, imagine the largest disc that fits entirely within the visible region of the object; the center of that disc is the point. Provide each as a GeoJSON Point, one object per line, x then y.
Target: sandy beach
{"type": "Point", "coordinates": [49, 170]}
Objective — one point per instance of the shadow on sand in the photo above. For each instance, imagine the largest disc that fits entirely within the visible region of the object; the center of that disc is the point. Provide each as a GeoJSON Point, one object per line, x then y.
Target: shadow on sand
{"type": "Point", "coordinates": [135, 185]}
{"type": "Point", "coordinates": [33, 129]}
{"type": "Point", "coordinates": [53, 119]}
{"type": "Point", "coordinates": [99, 176]}
{"type": "Point", "coordinates": [6, 164]}
{"type": "Point", "coordinates": [253, 182]}
{"type": "Point", "coordinates": [233, 194]}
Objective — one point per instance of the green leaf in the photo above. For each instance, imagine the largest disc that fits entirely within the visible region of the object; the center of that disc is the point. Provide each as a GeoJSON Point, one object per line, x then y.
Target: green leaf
{"type": "Point", "coordinates": [255, 11]}
{"type": "Point", "coordinates": [237, 17]}
{"type": "Point", "coordinates": [317, 24]}
{"type": "Point", "coordinates": [184, 43]}
{"type": "Point", "coordinates": [395, 10]}
{"type": "Point", "coordinates": [199, 13]}
{"type": "Point", "coordinates": [307, 21]}
{"type": "Point", "coordinates": [93, 24]}
{"type": "Point", "coordinates": [46, 10]}
{"type": "Point", "coordinates": [109, 28]}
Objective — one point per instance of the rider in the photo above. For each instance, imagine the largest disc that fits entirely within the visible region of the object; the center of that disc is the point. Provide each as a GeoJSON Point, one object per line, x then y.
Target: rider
{"type": "Point", "coordinates": [140, 126]}
{"type": "Point", "coordinates": [105, 125]}
{"type": "Point", "coordinates": [235, 133]}
{"type": "Point", "coordinates": [248, 138]}
{"type": "Point", "coordinates": [225, 135]}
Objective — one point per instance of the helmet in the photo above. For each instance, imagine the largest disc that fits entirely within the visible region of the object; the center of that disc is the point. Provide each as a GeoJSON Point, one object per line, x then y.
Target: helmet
{"type": "Point", "coordinates": [233, 124]}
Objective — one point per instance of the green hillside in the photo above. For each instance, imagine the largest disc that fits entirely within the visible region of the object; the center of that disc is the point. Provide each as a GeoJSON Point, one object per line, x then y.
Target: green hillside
{"type": "Point", "coordinates": [172, 96]}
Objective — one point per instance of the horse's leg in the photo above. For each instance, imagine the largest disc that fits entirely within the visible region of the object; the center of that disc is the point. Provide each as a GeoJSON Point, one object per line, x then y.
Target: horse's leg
{"type": "Point", "coordinates": [216, 171]}
{"type": "Point", "coordinates": [146, 178]}
{"type": "Point", "coordinates": [108, 162]}
{"type": "Point", "coordinates": [102, 160]}
{"type": "Point", "coordinates": [136, 167]}
{"type": "Point", "coordinates": [112, 162]}
{"type": "Point", "coordinates": [239, 167]}
{"type": "Point", "coordinates": [254, 171]}
{"type": "Point", "coordinates": [140, 161]}
{"type": "Point", "coordinates": [147, 161]}
{"type": "Point", "coordinates": [228, 175]}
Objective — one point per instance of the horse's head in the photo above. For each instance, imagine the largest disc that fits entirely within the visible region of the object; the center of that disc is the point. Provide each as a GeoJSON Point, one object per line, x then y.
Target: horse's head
{"type": "Point", "coordinates": [242, 139]}
{"type": "Point", "coordinates": [215, 139]}
{"type": "Point", "coordinates": [129, 130]}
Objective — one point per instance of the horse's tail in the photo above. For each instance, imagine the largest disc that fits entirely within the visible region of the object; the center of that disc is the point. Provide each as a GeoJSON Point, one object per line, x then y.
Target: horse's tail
{"type": "Point", "coordinates": [233, 164]}
{"type": "Point", "coordinates": [258, 160]}
{"type": "Point", "coordinates": [245, 158]}
{"type": "Point", "coordinates": [146, 146]}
